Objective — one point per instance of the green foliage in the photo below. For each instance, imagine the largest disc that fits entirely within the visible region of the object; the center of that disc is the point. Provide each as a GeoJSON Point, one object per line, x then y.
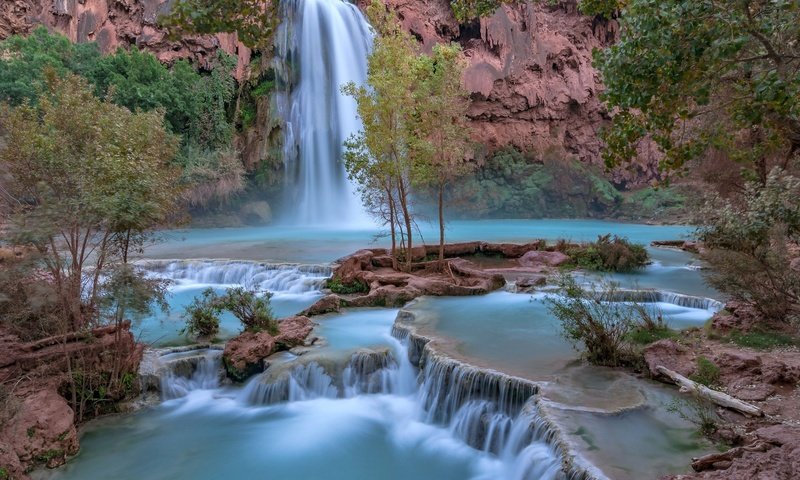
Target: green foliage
{"type": "Point", "coordinates": [336, 285]}
{"type": "Point", "coordinates": [717, 68]}
{"type": "Point", "coordinates": [213, 176]}
{"type": "Point", "coordinates": [646, 336]}
{"type": "Point", "coordinates": [4, 475]}
{"type": "Point", "coordinates": [510, 185]}
{"type": "Point", "coordinates": [467, 10]}
{"type": "Point", "coordinates": [603, 328]}
{"type": "Point", "coordinates": [202, 316]}
{"type": "Point", "coordinates": [763, 340]}
{"type": "Point", "coordinates": [603, 8]}
{"type": "Point", "coordinates": [254, 21]}
{"type": "Point", "coordinates": [86, 182]}
{"type": "Point", "coordinates": [251, 307]}
{"type": "Point", "coordinates": [707, 372]}
{"type": "Point", "coordinates": [609, 254]}
{"type": "Point", "coordinates": [195, 105]}
{"type": "Point", "coordinates": [698, 411]}
{"type": "Point", "coordinates": [653, 202]}
{"type": "Point", "coordinates": [749, 246]}
{"type": "Point", "coordinates": [23, 61]}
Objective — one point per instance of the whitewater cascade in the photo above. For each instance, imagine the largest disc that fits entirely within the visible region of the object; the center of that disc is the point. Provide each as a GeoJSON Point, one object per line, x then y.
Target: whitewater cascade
{"type": "Point", "coordinates": [322, 45]}
{"type": "Point", "coordinates": [277, 278]}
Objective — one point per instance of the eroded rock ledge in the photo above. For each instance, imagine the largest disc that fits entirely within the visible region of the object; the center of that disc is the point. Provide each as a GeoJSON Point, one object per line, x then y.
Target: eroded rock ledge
{"type": "Point", "coordinates": [370, 270]}
{"type": "Point", "coordinates": [512, 393]}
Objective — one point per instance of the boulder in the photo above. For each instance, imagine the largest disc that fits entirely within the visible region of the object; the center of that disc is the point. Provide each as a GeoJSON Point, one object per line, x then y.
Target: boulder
{"type": "Point", "coordinates": [669, 354]}
{"type": "Point", "coordinates": [41, 431]}
{"type": "Point", "coordinates": [293, 331]}
{"type": "Point", "coordinates": [328, 304]}
{"type": "Point", "coordinates": [244, 355]}
{"type": "Point", "coordinates": [536, 258]}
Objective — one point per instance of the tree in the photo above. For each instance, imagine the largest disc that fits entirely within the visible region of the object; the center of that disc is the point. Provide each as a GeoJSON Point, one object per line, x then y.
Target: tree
{"type": "Point", "coordinates": [441, 131]}
{"type": "Point", "coordinates": [706, 76]}
{"type": "Point", "coordinates": [254, 21]}
{"type": "Point", "coordinates": [23, 61]}
{"type": "Point", "coordinates": [468, 10]}
{"type": "Point", "coordinates": [379, 158]}
{"type": "Point", "coordinates": [749, 247]}
{"type": "Point", "coordinates": [86, 183]}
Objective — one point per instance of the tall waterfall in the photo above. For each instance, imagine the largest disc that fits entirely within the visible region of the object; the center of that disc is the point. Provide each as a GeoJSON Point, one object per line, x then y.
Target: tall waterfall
{"type": "Point", "coordinates": [322, 45]}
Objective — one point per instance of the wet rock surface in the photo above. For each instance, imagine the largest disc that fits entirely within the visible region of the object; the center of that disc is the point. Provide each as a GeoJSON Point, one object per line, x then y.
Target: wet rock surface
{"type": "Point", "coordinates": [244, 355]}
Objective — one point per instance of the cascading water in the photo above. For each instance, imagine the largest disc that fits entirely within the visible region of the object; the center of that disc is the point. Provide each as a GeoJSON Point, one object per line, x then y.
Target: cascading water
{"type": "Point", "coordinates": [277, 278]}
{"type": "Point", "coordinates": [203, 374]}
{"type": "Point", "coordinates": [322, 45]}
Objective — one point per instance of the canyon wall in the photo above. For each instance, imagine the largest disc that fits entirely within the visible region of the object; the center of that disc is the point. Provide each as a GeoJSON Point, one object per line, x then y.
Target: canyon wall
{"type": "Point", "coordinates": [117, 23]}
{"type": "Point", "coordinates": [530, 75]}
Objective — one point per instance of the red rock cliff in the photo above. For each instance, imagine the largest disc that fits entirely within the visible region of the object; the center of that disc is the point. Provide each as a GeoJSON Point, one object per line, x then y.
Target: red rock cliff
{"type": "Point", "coordinates": [115, 23]}
{"type": "Point", "coordinates": [530, 74]}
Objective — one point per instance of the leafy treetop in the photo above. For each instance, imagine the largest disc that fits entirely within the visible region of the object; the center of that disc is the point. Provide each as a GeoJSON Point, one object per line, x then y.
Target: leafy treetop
{"type": "Point", "coordinates": [705, 74]}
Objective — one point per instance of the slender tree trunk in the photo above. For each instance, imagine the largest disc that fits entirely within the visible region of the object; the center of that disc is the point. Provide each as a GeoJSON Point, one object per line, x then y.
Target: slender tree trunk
{"type": "Point", "coordinates": [441, 224]}
{"type": "Point", "coordinates": [392, 226]}
{"type": "Point", "coordinates": [407, 220]}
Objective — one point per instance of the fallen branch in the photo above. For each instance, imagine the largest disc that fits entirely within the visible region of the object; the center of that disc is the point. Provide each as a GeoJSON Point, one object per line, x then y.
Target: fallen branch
{"type": "Point", "coordinates": [719, 398]}
{"type": "Point", "coordinates": [713, 461]}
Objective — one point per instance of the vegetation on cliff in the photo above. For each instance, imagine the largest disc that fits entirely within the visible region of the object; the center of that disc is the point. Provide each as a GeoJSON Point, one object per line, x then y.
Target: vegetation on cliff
{"type": "Point", "coordinates": [195, 106]}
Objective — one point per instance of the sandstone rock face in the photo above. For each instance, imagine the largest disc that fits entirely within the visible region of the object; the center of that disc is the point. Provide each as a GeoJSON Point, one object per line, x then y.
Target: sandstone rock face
{"type": "Point", "coordinates": [117, 23]}
{"type": "Point", "coordinates": [244, 355]}
{"type": "Point", "coordinates": [530, 75]}
{"type": "Point", "coordinates": [669, 354]}
{"type": "Point", "coordinates": [37, 422]}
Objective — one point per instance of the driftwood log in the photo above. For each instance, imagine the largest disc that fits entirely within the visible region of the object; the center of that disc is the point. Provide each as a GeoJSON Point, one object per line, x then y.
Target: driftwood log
{"type": "Point", "coordinates": [719, 398]}
{"type": "Point", "coordinates": [721, 461]}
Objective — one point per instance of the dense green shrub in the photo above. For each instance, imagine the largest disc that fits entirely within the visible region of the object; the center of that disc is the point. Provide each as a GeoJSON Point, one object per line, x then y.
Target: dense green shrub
{"type": "Point", "coordinates": [202, 316]}
{"type": "Point", "coordinates": [511, 185]}
{"type": "Point", "coordinates": [466, 10]}
{"type": "Point", "coordinates": [251, 308]}
{"type": "Point", "coordinates": [609, 254]}
{"type": "Point", "coordinates": [602, 328]}
{"type": "Point", "coordinates": [749, 247]}
{"type": "Point", "coordinates": [336, 285]}
{"type": "Point", "coordinates": [763, 340]}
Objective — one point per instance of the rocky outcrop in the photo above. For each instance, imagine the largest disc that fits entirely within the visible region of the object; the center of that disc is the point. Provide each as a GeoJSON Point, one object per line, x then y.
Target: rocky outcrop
{"type": "Point", "coordinates": [118, 23]}
{"type": "Point", "coordinates": [37, 424]}
{"type": "Point", "coordinates": [244, 355]}
{"type": "Point", "coordinates": [530, 75]}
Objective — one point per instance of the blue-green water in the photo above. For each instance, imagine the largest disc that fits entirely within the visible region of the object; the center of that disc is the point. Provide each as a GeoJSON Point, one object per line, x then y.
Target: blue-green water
{"type": "Point", "coordinates": [320, 245]}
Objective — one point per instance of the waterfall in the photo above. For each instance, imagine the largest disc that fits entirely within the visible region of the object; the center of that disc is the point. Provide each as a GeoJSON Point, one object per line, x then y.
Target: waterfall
{"type": "Point", "coordinates": [277, 278]}
{"type": "Point", "coordinates": [321, 45]}
{"type": "Point", "coordinates": [183, 373]}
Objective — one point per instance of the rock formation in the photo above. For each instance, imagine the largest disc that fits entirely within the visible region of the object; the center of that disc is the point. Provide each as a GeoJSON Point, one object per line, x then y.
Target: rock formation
{"type": "Point", "coordinates": [244, 355]}
{"type": "Point", "coordinates": [530, 75]}
{"type": "Point", "coordinates": [37, 424]}
{"type": "Point", "coordinates": [117, 23]}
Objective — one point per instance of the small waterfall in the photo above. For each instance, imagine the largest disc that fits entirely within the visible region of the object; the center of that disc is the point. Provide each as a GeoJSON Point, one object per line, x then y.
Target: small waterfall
{"type": "Point", "coordinates": [321, 46]}
{"type": "Point", "coordinates": [490, 411]}
{"type": "Point", "coordinates": [184, 373]}
{"type": "Point", "coordinates": [277, 278]}
{"type": "Point", "coordinates": [303, 382]}
{"type": "Point", "coordinates": [660, 296]}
